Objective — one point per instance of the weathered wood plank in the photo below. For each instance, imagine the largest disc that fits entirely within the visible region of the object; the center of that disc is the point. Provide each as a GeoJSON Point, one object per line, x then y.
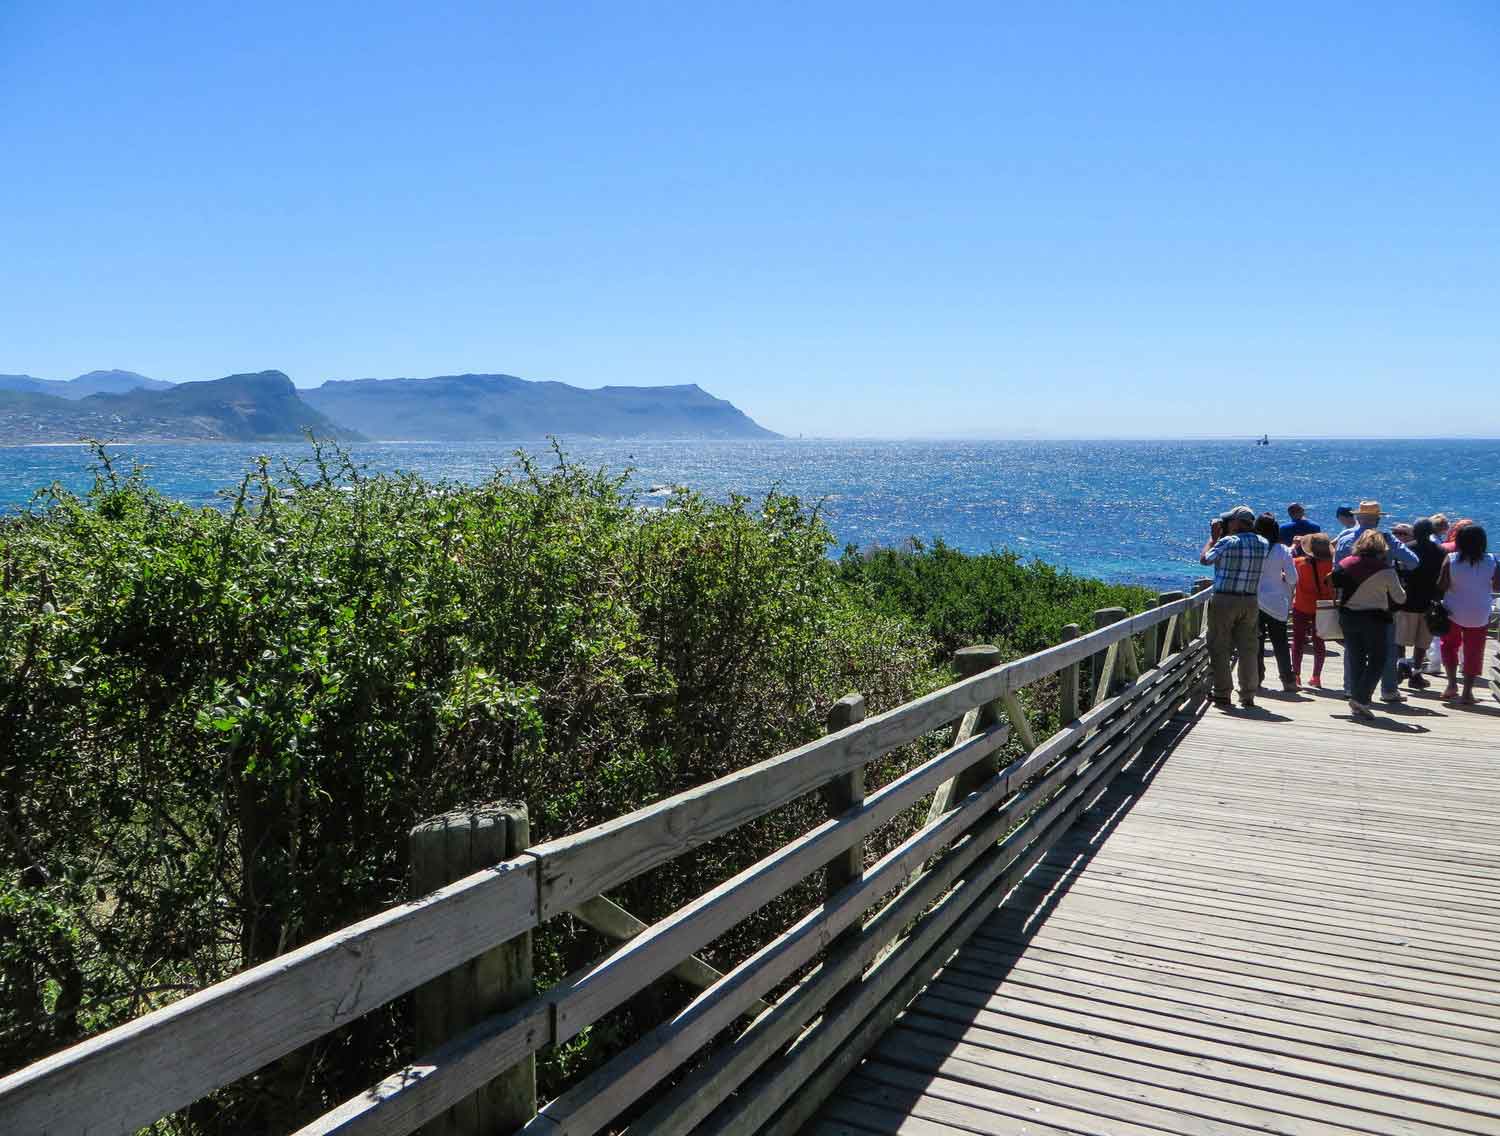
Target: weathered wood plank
{"type": "Point", "coordinates": [438, 1080]}
{"type": "Point", "coordinates": [1067, 680]}
{"type": "Point", "coordinates": [609, 918]}
{"type": "Point", "coordinates": [589, 863]}
{"type": "Point", "coordinates": [134, 1074]}
{"type": "Point", "coordinates": [814, 1066]}
{"type": "Point", "coordinates": [587, 997]}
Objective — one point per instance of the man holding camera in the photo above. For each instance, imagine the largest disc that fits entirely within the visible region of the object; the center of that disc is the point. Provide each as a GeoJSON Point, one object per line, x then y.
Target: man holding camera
{"type": "Point", "coordinates": [1237, 555]}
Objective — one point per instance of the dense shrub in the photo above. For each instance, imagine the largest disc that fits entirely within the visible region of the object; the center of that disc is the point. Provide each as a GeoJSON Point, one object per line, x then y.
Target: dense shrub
{"type": "Point", "coordinates": [218, 725]}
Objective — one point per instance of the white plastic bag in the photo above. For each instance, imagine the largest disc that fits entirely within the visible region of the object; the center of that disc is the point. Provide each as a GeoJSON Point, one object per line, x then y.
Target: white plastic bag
{"type": "Point", "coordinates": [1434, 664]}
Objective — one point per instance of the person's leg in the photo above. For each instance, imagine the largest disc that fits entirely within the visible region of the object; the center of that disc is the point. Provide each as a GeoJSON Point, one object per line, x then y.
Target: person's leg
{"type": "Point", "coordinates": [1421, 638]}
{"type": "Point", "coordinates": [1219, 646]}
{"type": "Point", "coordinates": [1277, 630]}
{"type": "Point", "coordinates": [1261, 631]}
{"type": "Point", "coordinates": [1301, 633]}
{"type": "Point", "coordinates": [1378, 639]}
{"type": "Point", "coordinates": [1473, 654]}
{"type": "Point", "coordinates": [1354, 654]}
{"type": "Point", "coordinates": [1390, 679]}
{"type": "Point", "coordinates": [1245, 641]}
{"type": "Point", "coordinates": [1320, 652]}
{"type": "Point", "coordinates": [1451, 640]}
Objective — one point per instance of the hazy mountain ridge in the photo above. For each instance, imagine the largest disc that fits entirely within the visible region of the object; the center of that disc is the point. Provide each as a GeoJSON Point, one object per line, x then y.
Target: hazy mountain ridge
{"type": "Point", "coordinates": [268, 407]}
{"type": "Point", "coordinates": [241, 408]}
{"type": "Point", "coordinates": [475, 407]}
{"type": "Point", "coordinates": [94, 382]}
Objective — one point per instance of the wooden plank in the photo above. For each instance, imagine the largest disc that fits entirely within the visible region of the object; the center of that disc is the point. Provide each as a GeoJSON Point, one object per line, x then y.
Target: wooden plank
{"type": "Point", "coordinates": [444, 849]}
{"type": "Point", "coordinates": [1090, 1005]}
{"type": "Point", "coordinates": [609, 918]}
{"type": "Point", "coordinates": [1018, 722]}
{"type": "Point", "coordinates": [1184, 1056]}
{"type": "Point", "coordinates": [693, 1099]}
{"type": "Point", "coordinates": [1106, 674]}
{"type": "Point", "coordinates": [130, 1076]}
{"type": "Point", "coordinates": [599, 989]}
{"type": "Point", "coordinates": [432, 1084]}
{"type": "Point", "coordinates": [592, 862]}
{"type": "Point", "coordinates": [1214, 1105]}
{"type": "Point", "coordinates": [842, 793]}
{"type": "Point", "coordinates": [1067, 680]}
{"type": "Point", "coordinates": [814, 1066]}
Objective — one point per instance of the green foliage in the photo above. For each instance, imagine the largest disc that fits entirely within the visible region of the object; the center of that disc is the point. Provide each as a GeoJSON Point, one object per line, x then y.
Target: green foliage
{"type": "Point", "coordinates": [961, 599]}
{"type": "Point", "coordinates": [217, 726]}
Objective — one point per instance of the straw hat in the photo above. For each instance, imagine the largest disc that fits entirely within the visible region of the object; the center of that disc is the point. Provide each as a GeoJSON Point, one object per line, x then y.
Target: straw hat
{"type": "Point", "coordinates": [1369, 509]}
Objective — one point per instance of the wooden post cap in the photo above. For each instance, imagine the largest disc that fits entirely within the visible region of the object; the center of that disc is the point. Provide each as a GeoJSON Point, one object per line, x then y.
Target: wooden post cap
{"type": "Point", "coordinates": [846, 712]}
{"type": "Point", "coordinates": [1104, 616]}
{"type": "Point", "coordinates": [970, 661]}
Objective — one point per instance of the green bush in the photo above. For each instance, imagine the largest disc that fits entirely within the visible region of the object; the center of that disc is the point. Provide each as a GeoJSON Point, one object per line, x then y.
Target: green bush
{"type": "Point", "coordinates": [217, 725]}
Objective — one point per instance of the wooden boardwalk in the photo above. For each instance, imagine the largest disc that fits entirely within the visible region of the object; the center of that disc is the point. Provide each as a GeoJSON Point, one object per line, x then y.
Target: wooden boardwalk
{"type": "Point", "coordinates": [1279, 921]}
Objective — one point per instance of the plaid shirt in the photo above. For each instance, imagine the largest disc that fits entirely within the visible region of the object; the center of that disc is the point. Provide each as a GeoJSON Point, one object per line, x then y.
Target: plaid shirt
{"type": "Point", "coordinates": [1237, 562]}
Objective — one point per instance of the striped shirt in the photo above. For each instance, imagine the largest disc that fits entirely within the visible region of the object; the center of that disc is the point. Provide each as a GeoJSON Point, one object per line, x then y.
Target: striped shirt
{"type": "Point", "coordinates": [1237, 562]}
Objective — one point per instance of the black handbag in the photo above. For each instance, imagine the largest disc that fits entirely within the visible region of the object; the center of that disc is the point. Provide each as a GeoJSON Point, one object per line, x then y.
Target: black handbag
{"type": "Point", "coordinates": [1439, 618]}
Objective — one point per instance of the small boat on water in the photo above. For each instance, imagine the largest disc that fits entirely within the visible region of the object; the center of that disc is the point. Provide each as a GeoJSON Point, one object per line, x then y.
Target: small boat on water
{"type": "Point", "coordinates": [1263, 440]}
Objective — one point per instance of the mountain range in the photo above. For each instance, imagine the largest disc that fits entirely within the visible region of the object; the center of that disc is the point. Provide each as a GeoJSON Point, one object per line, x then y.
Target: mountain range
{"type": "Point", "coordinates": [123, 405]}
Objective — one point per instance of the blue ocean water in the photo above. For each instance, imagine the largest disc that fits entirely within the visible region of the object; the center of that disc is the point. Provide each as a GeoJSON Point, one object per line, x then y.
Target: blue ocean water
{"type": "Point", "coordinates": [1133, 511]}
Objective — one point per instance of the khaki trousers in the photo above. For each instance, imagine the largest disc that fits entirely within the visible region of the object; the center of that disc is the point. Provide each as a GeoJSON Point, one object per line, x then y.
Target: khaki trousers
{"type": "Point", "coordinates": [1233, 623]}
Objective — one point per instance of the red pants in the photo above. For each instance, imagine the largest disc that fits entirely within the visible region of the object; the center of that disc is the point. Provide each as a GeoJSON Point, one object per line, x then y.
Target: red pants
{"type": "Point", "coordinates": [1304, 626]}
{"type": "Point", "coordinates": [1472, 641]}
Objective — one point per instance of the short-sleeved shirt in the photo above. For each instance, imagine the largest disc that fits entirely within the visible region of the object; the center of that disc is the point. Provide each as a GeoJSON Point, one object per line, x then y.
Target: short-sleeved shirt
{"type": "Point", "coordinates": [1468, 594]}
{"type": "Point", "coordinates": [1237, 562]}
{"type": "Point", "coordinates": [1293, 529]}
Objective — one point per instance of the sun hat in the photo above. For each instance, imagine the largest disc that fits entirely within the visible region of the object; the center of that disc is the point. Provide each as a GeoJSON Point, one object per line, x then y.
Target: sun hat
{"type": "Point", "coordinates": [1241, 513]}
{"type": "Point", "coordinates": [1369, 509]}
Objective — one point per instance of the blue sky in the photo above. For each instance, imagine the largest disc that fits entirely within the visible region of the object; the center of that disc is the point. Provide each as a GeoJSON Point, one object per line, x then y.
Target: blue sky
{"type": "Point", "coordinates": [849, 219]}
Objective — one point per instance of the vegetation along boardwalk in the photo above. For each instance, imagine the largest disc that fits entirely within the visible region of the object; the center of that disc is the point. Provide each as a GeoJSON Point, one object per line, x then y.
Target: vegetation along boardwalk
{"type": "Point", "coordinates": [1278, 921]}
{"type": "Point", "coordinates": [1150, 920]}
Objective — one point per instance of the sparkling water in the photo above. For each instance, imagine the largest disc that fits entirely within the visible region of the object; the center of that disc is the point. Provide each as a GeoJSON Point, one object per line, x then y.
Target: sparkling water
{"type": "Point", "coordinates": [1134, 511]}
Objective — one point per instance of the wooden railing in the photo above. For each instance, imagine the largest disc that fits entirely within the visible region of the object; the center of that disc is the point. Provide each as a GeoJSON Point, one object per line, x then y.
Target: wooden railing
{"type": "Point", "coordinates": [881, 932]}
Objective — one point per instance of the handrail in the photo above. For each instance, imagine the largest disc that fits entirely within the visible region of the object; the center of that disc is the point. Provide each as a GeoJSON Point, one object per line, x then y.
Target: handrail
{"type": "Point", "coordinates": [132, 1075]}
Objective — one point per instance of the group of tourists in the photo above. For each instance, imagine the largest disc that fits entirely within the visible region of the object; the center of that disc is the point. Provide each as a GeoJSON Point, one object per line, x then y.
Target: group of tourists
{"type": "Point", "coordinates": [1383, 592]}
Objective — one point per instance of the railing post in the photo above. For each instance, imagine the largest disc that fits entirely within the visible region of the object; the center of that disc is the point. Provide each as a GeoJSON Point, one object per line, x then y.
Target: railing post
{"type": "Point", "coordinates": [1200, 613]}
{"type": "Point", "coordinates": [840, 794]}
{"type": "Point", "coordinates": [968, 662]}
{"type": "Point", "coordinates": [1177, 625]}
{"type": "Point", "coordinates": [1067, 682]}
{"type": "Point", "coordinates": [1098, 681]}
{"type": "Point", "coordinates": [444, 849]}
{"type": "Point", "coordinates": [1151, 639]}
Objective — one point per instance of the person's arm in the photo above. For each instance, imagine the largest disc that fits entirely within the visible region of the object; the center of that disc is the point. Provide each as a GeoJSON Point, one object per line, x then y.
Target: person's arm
{"type": "Point", "coordinates": [1211, 550]}
{"type": "Point", "coordinates": [1403, 556]}
{"type": "Point", "coordinates": [1396, 591]}
{"type": "Point", "coordinates": [1445, 577]}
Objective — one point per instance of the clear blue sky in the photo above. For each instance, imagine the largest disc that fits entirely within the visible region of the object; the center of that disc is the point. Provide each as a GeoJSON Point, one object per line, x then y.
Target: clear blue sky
{"type": "Point", "coordinates": [863, 218]}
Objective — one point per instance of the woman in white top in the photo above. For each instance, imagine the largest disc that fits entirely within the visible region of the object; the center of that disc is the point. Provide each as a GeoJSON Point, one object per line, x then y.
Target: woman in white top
{"type": "Point", "coordinates": [1278, 580]}
{"type": "Point", "coordinates": [1469, 574]}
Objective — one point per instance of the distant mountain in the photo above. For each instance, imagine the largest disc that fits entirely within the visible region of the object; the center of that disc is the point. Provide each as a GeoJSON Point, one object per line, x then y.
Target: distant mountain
{"type": "Point", "coordinates": [95, 382]}
{"type": "Point", "coordinates": [503, 407]}
{"type": "Point", "coordinates": [243, 408]}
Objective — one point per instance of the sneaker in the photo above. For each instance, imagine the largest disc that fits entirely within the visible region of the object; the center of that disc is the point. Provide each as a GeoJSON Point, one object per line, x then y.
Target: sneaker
{"type": "Point", "coordinates": [1247, 703]}
{"type": "Point", "coordinates": [1417, 682]}
{"type": "Point", "coordinates": [1393, 697]}
{"type": "Point", "coordinates": [1289, 686]}
{"type": "Point", "coordinates": [1360, 710]}
{"type": "Point", "coordinates": [1223, 702]}
{"type": "Point", "coordinates": [1316, 682]}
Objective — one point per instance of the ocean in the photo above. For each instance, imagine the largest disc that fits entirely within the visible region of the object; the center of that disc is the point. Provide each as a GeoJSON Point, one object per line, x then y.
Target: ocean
{"type": "Point", "coordinates": [1130, 511]}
